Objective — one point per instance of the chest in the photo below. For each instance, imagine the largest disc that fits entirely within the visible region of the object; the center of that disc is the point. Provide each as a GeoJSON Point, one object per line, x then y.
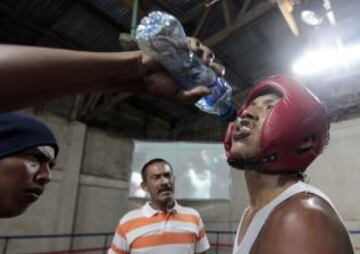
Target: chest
{"type": "Point", "coordinates": [162, 227]}
{"type": "Point", "coordinates": [244, 224]}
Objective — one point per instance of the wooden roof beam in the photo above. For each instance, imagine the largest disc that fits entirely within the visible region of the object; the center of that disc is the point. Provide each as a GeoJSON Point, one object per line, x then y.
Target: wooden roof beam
{"type": "Point", "coordinates": [243, 10]}
{"type": "Point", "coordinates": [286, 7]}
{"type": "Point", "coordinates": [249, 16]}
{"type": "Point", "coordinates": [227, 13]}
{"type": "Point", "coordinates": [202, 21]}
{"type": "Point", "coordinates": [193, 12]}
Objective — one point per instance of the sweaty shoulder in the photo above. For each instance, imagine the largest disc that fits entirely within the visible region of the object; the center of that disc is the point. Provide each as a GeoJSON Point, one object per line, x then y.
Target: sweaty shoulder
{"type": "Point", "coordinates": [305, 223]}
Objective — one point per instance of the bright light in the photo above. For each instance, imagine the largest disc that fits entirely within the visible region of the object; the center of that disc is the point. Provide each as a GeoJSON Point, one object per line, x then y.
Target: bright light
{"type": "Point", "coordinates": [311, 18]}
{"type": "Point", "coordinates": [323, 60]}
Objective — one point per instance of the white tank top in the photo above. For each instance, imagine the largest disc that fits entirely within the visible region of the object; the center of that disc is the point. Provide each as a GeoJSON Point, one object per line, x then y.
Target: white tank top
{"type": "Point", "coordinates": [260, 217]}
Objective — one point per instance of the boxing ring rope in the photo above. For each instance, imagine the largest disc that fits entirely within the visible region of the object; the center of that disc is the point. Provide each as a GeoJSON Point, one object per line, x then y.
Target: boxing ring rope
{"type": "Point", "coordinates": [217, 246]}
{"type": "Point", "coordinates": [7, 239]}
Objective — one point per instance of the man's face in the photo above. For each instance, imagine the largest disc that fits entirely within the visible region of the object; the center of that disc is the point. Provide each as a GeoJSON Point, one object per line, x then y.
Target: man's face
{"type": "Point", "coordinates": [159, 183]}
{"type": "Point", "coordinates": [23, 177]}
{"type": "Point", "coordinates": [247, 132]}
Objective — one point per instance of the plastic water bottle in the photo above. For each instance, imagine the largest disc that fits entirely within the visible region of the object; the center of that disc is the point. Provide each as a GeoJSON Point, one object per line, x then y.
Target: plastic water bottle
{"type": "Point", "coordinates": [161, 36]}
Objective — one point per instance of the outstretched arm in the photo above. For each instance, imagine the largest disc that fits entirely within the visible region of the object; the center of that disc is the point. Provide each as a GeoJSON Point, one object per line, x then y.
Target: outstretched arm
{"type": "Point", "coordinates": [31, 75]}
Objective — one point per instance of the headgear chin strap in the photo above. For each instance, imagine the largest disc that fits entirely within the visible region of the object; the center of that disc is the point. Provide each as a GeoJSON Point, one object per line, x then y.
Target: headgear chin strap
{"type": "Point", "coordinates": [296, 117]}
{"type": "Point", "coordinates": [251, 163]}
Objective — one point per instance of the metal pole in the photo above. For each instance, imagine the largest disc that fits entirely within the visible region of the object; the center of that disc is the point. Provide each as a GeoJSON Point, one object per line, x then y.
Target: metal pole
{"type": "Point", "coordinates": [5, 245]}
{"type": "Point", "coordinates": [105, 244]}
{"type": "Point", "coordinates": [217, 242]}
{"type": "Point", "coordinates": [135, 8]}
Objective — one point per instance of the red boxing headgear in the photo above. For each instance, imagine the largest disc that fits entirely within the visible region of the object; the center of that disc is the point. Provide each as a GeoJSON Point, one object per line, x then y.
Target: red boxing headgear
{"type": "Point", "coordinates": [297, 116]}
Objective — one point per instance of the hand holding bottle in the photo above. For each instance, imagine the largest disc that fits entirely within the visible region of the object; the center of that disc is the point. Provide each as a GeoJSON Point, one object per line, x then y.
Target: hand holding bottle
{"type": "Point", "coordinates": [161, 36]}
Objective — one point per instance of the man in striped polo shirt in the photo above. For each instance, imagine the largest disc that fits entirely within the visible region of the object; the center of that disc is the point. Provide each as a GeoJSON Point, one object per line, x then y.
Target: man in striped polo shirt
{"type": "Point", "coordinates": [161, 226]}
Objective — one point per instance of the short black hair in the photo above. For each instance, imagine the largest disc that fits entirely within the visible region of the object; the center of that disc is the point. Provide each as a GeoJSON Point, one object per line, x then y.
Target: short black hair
{"type": "Point", "coordinates": [152, 161]}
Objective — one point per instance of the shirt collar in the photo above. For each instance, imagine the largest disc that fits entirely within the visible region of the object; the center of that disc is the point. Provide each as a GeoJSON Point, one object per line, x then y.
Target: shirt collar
{"type": "Point", "coordinates": [149, 211]}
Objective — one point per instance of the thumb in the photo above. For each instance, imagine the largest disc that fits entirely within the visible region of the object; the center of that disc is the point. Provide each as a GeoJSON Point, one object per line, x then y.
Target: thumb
{"type": "Point", "coordinates": [218, 68]}
{"type": "Point", "coordinates": [192, 95]}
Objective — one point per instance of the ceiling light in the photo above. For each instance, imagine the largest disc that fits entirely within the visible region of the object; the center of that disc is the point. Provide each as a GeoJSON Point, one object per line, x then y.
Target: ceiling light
{"type": "Point", "coordinates": [326, 59]}
{"type": "Point", "coordinates": [311, 18]}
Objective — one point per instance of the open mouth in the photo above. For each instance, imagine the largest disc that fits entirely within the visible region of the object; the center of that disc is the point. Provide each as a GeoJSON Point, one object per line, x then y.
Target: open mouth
{"type": "Point", "coordinates": [243, 129]}
{"type": "Point", "coordinates": [242, 133]}
{"type": "Point", "coordinates": [34, 193]}
{"type": "Point", "coordinates": [165, 192]}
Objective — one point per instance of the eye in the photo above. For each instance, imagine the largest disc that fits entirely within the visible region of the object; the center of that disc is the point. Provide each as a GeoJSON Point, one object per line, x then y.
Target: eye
{"type": "Point", "coordinates": [37, 159]}
{"type": "Point", "coordinates": [51, 164]}
{"type": "Point", "coordinates": [156, 177]}
{"type": "Point", "coordinates": [168, 175]}
{"type": "Point", "coordinates": [270, 106]}
{"type": "Point", "coordinates": [32, 158]}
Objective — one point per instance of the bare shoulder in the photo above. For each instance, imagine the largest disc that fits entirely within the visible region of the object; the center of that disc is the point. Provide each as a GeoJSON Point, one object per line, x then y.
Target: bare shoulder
{"type": "Point", "coordinates": [304, 210]}
{"type": "Point", "coordinates": [304, 223]}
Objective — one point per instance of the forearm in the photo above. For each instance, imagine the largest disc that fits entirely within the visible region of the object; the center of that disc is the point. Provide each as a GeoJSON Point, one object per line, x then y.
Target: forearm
{"type": "Point", "coordinates": [30, 74]}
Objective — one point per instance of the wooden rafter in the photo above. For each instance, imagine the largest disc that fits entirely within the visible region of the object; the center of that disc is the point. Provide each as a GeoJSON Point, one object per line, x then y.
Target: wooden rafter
{"type": "Point", "coordinates": [227, 13]}
{"type": "Point", "coordinates": [286, 7]}
{"type": "Point", "coordinates": [249, 16]}
{"type": "Point", "coordinates": [243, 10]}
{"type": "Point", "coordinates": [193, 12]}
{"type": "Point", "coordinates": [202, 21]}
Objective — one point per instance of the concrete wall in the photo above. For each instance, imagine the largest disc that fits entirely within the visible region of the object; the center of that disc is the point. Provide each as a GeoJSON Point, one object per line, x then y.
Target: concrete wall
{"type": "Point", "coordinates": [89, 189]}
{"type": "Point", "coordinates": [337, 173]}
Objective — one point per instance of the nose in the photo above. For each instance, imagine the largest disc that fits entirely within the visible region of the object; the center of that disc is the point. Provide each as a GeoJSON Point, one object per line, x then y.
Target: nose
{"type": "Point", "coordinates": [251, 113]}
{"type": "Point", "coordinates": [43, 176]}
{"type": "Point", "coordinates": [165, 180]}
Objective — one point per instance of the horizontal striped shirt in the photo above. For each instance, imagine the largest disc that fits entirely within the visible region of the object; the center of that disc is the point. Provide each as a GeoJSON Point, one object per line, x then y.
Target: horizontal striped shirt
{"type": "Point", "coordinates": [146, 230]}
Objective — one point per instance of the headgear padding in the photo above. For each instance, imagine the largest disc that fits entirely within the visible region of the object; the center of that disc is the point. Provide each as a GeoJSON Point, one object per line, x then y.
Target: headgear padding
{"type": "Point", "coordinates": [297, 116]}
{"type": "Point", "coordinates": [19, 132]}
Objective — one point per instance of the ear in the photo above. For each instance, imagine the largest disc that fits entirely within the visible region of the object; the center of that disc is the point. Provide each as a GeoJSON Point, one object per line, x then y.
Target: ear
{"type": "Point", "coordinates": [143, 186]}
{"type": "Point", "coordinates": [306, 145]}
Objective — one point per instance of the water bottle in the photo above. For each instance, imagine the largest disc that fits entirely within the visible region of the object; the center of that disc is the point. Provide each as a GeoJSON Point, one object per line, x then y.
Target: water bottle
{"type": "Point", "coordinates": [161, 36]}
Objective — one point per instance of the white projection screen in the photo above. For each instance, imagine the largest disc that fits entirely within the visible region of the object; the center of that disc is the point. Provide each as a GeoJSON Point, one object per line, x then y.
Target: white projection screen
{"type": "Point", "coordinates": [200, 169]}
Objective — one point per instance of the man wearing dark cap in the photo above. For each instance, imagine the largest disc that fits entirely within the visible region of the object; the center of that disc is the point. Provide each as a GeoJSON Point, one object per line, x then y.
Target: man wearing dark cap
{"type": "Point", "coordinates": [27, 153]}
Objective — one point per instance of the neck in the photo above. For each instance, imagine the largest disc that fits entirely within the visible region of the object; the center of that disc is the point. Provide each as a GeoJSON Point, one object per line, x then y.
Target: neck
{"type": "Point", "coordinates": [164, 206]}
{"type": "Point", "coordinates": [263, 188]}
